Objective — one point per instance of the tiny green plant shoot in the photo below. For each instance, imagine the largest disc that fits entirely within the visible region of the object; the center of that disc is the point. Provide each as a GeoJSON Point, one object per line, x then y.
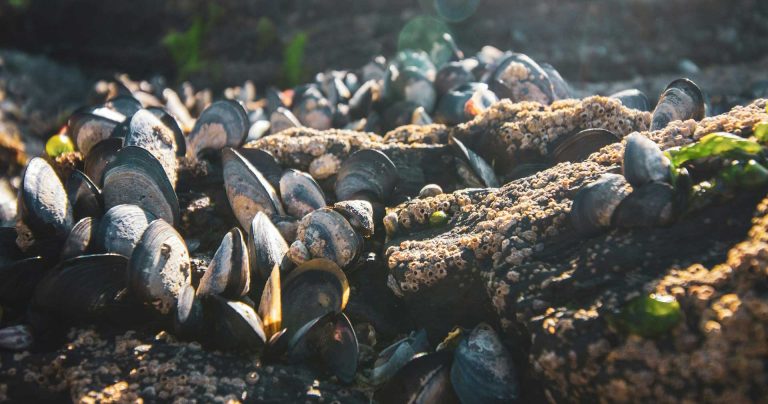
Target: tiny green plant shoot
{"type": "Point", "coordinates": [293, 60]}
{"type": "Point", "coordinates": [186, 47]}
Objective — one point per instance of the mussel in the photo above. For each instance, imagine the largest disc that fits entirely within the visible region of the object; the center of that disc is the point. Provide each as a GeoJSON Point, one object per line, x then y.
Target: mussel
{"type": "Point", "coordinates": [578, 146]}
{"type": "Point", "coordinates": [633, 98]}
{"type": "Point", "coordinates": [159, 266]}
{"type": "Point", "coordinates": [681, 100]}
{"type": "Point", "coordinates": [97, 160]}
{"type": "Point", "coordinates": [89, 126]}
{"type": "Point", "coordinates": [477, 164]}
{"type": "Point", "coordinates": [222, 124]}
{"type": "Point", "coordinates": [300, 193]}
{"type": "Point", "coordinates": [424, 379]}
{"type": "Point", "coordinates": [282, 119]}
{"type": "Point", "coordinates": [330, 340]}
{"type": "Point", "coordinates": [327, 234]}
{"type": "Point", "coordinates": [266, 247]}
{"type": "Point", "coordinates": [229, 273]}
{"type": "Point", "coordinates": [83, 195]}
{"type": "Point", "coordinates": [81, 239]}
{"type": "Point", "coordinates": [359, 214]}
{"type": "Point", "coordinates": [43, 204]}
{"type": "Point", "coordinates": [519, 78]}
{"type": "Point", "coordinates": [247, 189]}
{"type": "Point", "coordinates": [136, 177]}
{"type": "Point", "coordinates": [121, 228]}
{"type": "Point", "coordinates": [149, 132]}
{"type": "Point", "coordinates": [595, 203]}
{"type": "Point", "coordinates": [367, 174]}
{"type": "Point", "coordinates": [651, 205]}
{"type": "Point", "coordinates": [644, 161]}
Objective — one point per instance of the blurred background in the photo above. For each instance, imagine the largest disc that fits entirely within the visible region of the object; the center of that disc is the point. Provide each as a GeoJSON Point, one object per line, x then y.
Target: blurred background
{"type": "Point", "coordinates": [53, 50]}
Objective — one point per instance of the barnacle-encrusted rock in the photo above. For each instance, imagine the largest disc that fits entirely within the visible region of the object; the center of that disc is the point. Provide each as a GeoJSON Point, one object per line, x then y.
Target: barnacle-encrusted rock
{"type": "Point", "coordinates": [554, 293]}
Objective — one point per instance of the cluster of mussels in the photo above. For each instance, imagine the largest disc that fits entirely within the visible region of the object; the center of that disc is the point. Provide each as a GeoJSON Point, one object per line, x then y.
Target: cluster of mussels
{"type": "Point", "coordinates": [100, 242]}
{"type": "Point", "coordinates": [644, 196]}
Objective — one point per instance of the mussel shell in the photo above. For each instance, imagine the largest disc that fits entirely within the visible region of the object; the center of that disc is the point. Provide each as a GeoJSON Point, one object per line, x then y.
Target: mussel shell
{"type": "Point", "coordinates": [578, 146]}
{"type": "Point", "coordinates": [189, 321]}
{"type": "Point", "coordinates": [282, 119]}
{"type": "Point", "coordinates": [247, 189]}
{"type": "Point", "coordinates": [312, 109]}
{"type": "Point", "coordinates": [265, 162]}
{"type": "Point", "coordinates": [647, 206]}
{"type": "Point", "coordinates": [43, 204]}
{"type": "Point", "coordinates": [310, 291]}
{"type": "Point", "coordinates": [235, 325]}
{"type": "Point", "coordinates": [84, 196]}
{"type": "Point", "coordinates": [415, 87]}
{"type": "Point", "coordinates": [327, 234]}
{"type": "Point", "coordinates": [359, 214]}
{"type": "Point", "coordinates": [368, 172]}
{"type": "Point", "coordinates": [482, 370]}
{"type": "Point", "coordinates": [300, 193]}
{"type": "Point", "coordinates": [287, 226]}
{"type": "Point", "coordinates": [136, 177]}
{"type": "Point", "coordinates": [87, 288]}
{"type": "Point", "coordinates": [397, 355]}
{"type": "Point", "coordinates": [463, 103]}
{"type": "Point", "coordinates": [121, 228]}
{"type": "Point", "coordinates": [452, 75]}
{"type": "Point", "coordinates": [223, 124]}
{"type": "Point", "coordinates": [560, 88]}
{"type": "Point", "coordinates": [331, 340]}
{"type": "Point", "coordinates": [81, 239]}
{"type": "Point", "coordinates": [417, 60]}
{"type": "Point", "coordinates": [681, 100]}
{"type": "Point", "coordinates": [404, 113]}
{"type": "Point", "coordinates": [90, 126]}
{"type": "Point", "coordinates": [19, 279]}
{"type": "Point", "coordinates": [362, 101]}
{"type": "Point", "coordinates": [480, 167]}
{"type": "Point", "coordinates": [159, 266]}
{"type": "Point", "coordinates": [519, 78]}
{"type": "Point", "coordinates": [97, 160]}
{"type": "Point", "coordinates": [644, 161]}
{"type": "Point", "coordinates": [124, 104]}
{"type": "Point", "coordinates": [425, 379]}
{"type": "Point", "coordinates": [595, 203]}
{"type": "Point", "coordinates": [149, 132]}
{"type": "Point", "coordinates": [229, 272]}
{"type": "Point", "coordinates": [298, 252]}
{"type": "Point", "coordinates": [633, 98]}
{"type": "Point", "coordinates": [168, 120]}
{"type": "Point", "coordinates": [266, 247]}
{"type": "Point", "coordinates": [258, 130]}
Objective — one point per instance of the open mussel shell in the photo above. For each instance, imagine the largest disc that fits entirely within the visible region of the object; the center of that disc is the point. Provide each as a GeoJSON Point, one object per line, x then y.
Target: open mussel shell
{"type": "Point", "coordinates": [87, 288]}
{"type": "Point", "coordinates": [359, 214]}
{"type": "Point", "coordinates": [482, 370]}
{"type": "Point", "coordinates": [149, 132]}
{"type": "Point", "coordinates": [519, 78]}
{"type": "Point", "coordinates": [189, 321]}
{"type": "Point", "coordinates": [644, 161]}
{"type": "Point", "coordinates": [229, 273]}
{"type": "Point", "coordinates": [265, 162]}
{"type": "Point", "coordinates": [479, 166]}
{"type": "Point", "coordinates": [312, 109]}
{"type": "Point", "coordinates": [81, 239]}
{"type": "Point", "coordinates": [329, 340]}
{"type": "Point", "coordinates": [96, 161]}
{"type": "Point", "coordinates": [397, 355]}
{"type": "Point", "coordinates": [327, 234]}
{"type": "Point", "coordinates": [159, 266]}
{"type": "Point", "coordinates": [310, 291]}
{"type": "Point", "coordinates": [43, 203]}
{"type": "Point", "coordinates": [18, 280]}
{"type": "Point", "coordinates": [136, 177]}
{"type": "Point", "coordinates": [89, 126]}
{"type": "Point", "coordinates": [282, 119]}
{"type": "Point", "coordinates": [266, 247]}
{"type": "Point", "coordinates": [300, 193]}
{"type": "Point", "coordinates": [223, 124]}
{"type": "Point", "coordinates": [647, 206]}
{"type": "Point", "coordinates": [595, 203]}
{"type": "Point", "coordinates": [425, 379]}
{"type": "Point", "coordinates": [578, 146]}
{"type": "Point", "coordinates": [368, 173]}
{"type": "Point", "coordinates": [169, 121]}
{"type": "Point", "coordinates": [84, 196]}
{"type": "Point", "coordinates": [681, 100]}
{"type": "Point", "coordinates": [247, 189]}
{"type": "Point", "coordinates": [121, 228]}
{"type": "Point", "coordinates": [235, 325]}
{"type": "Point", "coordinates": [633, 98]}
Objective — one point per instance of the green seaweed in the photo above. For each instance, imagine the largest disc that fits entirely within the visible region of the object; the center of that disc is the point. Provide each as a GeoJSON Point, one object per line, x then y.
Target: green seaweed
{"type": "Point", "coordinates": [649, 316]}
{"type": "Point", "coordinates": [186, 47]}
{"type": "Point", "coordinates": [712, 145]}
{"type": "Point", "coordinates": [293, 60]}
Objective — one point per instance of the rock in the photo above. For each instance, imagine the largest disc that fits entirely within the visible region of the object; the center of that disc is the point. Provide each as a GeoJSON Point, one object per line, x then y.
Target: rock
{"type": "Point", "coordinates": [553, 293]}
